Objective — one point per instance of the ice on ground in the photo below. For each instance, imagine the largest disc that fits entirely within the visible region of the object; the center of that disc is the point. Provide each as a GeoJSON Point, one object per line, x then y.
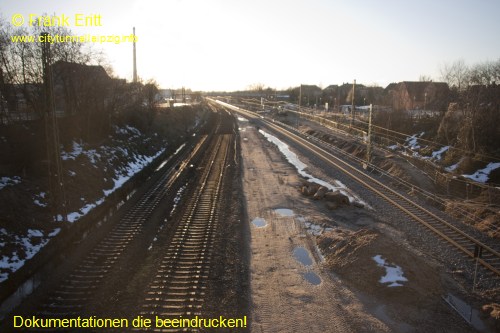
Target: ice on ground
{"type": "Point", "coordinates": [9, 181]}
{"type": "Point", "coordinates": [393, 273]}
{"type": "Point", "coordinates": [482, 175]}
{"type": "Point", "coordinates": [300, 166]}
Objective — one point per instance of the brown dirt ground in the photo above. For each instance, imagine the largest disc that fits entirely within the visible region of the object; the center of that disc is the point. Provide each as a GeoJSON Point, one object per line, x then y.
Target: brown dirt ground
{"type": "Point", "coordinates": [349, 297]}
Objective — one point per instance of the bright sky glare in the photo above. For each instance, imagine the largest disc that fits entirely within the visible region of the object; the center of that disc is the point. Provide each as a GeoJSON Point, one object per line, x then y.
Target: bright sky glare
{"type": "Point", "coordinates": [231, 44]}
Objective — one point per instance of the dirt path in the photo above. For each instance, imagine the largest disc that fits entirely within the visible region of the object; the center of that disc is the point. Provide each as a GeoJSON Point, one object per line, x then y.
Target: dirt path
{"type": "Point", "coordinates": [282, 299]}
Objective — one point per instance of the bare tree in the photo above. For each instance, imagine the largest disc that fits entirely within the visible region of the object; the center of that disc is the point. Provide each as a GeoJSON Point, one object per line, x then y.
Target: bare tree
{"type": "Point", "coordinates": [256, 87]}
{"type": "Point", "coordinates": [475, 96]}
{"type": "Point", "coordinates": [456, 74]}
{"type": "Point", "coordinates": [485, 73]}
{"type": "Point", "coordinates": [425, 78]}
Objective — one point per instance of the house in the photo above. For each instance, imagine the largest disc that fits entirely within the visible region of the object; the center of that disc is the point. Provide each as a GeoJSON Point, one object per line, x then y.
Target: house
{"type": "Point", "coordinates": [77, 87]}
{"type": "Point", "coordinates": [413, 95]}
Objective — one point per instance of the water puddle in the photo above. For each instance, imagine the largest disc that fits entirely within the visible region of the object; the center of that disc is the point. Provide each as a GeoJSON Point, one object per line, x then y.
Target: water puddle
{"type": "Point", "coordinates": [312, 278]}
{"type": "Point", "coordinates": [466, 311]}
{"type": "Point", "coordinates": [284, 212]}
{"type": "Point", "coordinates": [259, 222]}
{"type": "Point", "coordinates": [302, 256]}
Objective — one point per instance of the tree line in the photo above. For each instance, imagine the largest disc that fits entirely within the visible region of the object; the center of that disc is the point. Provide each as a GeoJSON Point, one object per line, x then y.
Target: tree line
{"type": "Point", "coordinates": [82, 80]}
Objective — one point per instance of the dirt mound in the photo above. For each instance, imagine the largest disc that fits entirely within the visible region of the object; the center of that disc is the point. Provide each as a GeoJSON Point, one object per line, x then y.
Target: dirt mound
{"type": "Point", "coordinates": [342, 246]}
{"type": "Point", "coordinates": [394, 169]}
{"type": "Point", "coordinates": [332, 199]}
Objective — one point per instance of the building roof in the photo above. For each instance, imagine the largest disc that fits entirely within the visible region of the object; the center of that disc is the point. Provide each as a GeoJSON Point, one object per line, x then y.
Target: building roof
{"type": "Point", "coordinates": [64, 69]}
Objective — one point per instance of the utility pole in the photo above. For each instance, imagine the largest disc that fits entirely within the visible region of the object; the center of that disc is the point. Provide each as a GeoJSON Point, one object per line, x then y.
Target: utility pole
{"type": "Point", "coordinates": [352, 102]}
{"type": "Point", "coordinates": [135, 61]}
{"type": "Point", "coordinates": [57, 195]}
{"type": "Point", "coordinates": [369, 140]}
{"type": "Point", "coordinates": [300, 101]}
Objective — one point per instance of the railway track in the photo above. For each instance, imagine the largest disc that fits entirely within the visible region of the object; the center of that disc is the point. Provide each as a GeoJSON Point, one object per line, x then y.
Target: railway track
{"type": "Point", "coordinates": [75, 291]}
{"type": "Point", "coordinates": [120, 267]}
{"type": "Point", "coordinates": [178, 288]}
{"type": "Point", "coordinates": [487, 256]}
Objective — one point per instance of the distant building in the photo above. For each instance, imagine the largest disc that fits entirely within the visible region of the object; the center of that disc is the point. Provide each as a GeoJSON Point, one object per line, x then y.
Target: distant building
{"type": "Point", "coordinates": [412, 95]}
{"type": "Point", "coordinates": [77, 87]}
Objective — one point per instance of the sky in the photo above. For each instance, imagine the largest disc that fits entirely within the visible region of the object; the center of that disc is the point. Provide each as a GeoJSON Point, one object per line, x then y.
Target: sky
{"type": "Point", "coordinates": [233, 44]}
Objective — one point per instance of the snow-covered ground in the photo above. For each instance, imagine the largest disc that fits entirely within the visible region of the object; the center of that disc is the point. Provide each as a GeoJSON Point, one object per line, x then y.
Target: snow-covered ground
{"type": "Point", "coordinates": [133, 167]}
{"type": "Point", "coordinates": [29, 243]}
{"type": "Point", "coordinates": [16, 247]}
{"type": "Point", "coordinates": [300, 166]}
{"type": "Point", "coordinates": [412, 147]}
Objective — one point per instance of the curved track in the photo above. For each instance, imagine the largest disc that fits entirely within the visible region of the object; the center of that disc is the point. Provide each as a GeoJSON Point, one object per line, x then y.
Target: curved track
{"type": "Point", "coordinates": [466, 244]}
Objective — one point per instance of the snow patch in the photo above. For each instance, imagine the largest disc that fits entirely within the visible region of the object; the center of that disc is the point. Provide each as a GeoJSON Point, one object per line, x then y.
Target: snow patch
{"type": "Point", "coordinates": [30, 244]}
{"type": "Point", "coordinates": [133, 167]}
{"type": "Point", "coordinates": [482, 175]}
{"type": "Point", "coordinates": [37, 200]}
{"type": "Point", "coordinates": [300, 166]}
{"type": "Point", "coordinates": [412, 141]}
{"type": "Point", "coordinates": [437, 154]}
{"type": "Point", "coordinates": [453, 167]}
{"type": "Point", "coordinates": [9, 181]}
{"type": "Point", "coordinates": [78, 150]}
{"type": "Point", "coordinates": [393, 273]}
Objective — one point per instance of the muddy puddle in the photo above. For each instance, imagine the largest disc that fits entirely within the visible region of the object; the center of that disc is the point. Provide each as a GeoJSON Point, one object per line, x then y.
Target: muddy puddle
{"type": "Point", "coordinates": [259, 222]}
{"type": "Point", "coordinates": [302, 255]}
{"type": "Point", "coordinates": [312, 278]}
{"type": "Point", "coordinates": [284, 212]}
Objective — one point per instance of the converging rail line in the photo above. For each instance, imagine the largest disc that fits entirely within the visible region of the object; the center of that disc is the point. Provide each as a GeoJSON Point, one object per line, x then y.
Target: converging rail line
{"type": "Point", "coordinates": [178, 288]}
{"type": "Point", "coordinates": [74, 292]}
{"type": "Point", "coordinates": [467, 245]}
{"type": "Point", "coordinates": [185, 243]}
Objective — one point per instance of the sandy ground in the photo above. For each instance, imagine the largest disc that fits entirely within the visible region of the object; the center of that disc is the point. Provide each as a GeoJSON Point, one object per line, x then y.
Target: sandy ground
{"type": "Point", "coordinates": [282, 299]}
